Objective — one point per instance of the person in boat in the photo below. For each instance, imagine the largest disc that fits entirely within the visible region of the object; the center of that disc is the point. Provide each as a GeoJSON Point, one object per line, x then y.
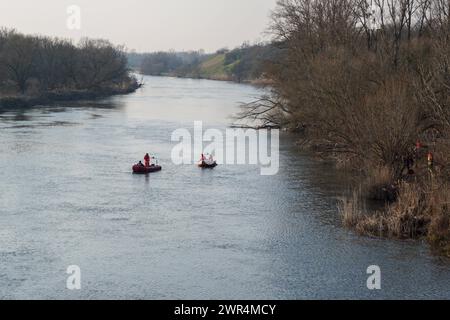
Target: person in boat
{"type": "Point", "coordinates": [140, 164]}
{"type": "Point", "coordinates": [202, 158]}
{"type": "Point", "coordinates": [147, 160]}
{"type": "Point", "coordinates": [211, 158]}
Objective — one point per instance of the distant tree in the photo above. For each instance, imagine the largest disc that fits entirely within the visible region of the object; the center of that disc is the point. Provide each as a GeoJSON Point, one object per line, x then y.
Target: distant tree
{"type": "Point", "coordinates": [175, 63]}
{"type": "Point", "coordinates": [18, 58]}
{"type": "Point", "coordinates": [222, 51]}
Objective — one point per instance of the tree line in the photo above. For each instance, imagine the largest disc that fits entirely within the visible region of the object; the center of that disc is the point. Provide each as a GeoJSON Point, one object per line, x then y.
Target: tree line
{"type": "Point", "coordinates": [35, 65]}
{"type": "Point", "coordinates": [171, 63]}
{"type": "Point", "coordinates": [244, 63]}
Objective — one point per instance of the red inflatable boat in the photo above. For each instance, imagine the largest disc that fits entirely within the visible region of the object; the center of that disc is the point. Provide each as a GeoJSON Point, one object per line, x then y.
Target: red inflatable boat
{"type": "Point", "coordinates": [144, 170]}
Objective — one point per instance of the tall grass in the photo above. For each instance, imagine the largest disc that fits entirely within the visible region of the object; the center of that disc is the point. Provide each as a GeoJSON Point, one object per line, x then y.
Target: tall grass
{"type": "Point", "coordinates": [420, 212]}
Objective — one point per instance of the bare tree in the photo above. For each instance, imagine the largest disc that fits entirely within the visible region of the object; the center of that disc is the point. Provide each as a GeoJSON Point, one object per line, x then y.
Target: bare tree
{"type": "Point", "coordinates": [19, 57]}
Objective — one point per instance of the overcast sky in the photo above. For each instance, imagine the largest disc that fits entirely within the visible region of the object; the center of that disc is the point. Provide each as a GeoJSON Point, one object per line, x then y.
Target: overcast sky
{"type": "Point", "coordinates": [146, 25]}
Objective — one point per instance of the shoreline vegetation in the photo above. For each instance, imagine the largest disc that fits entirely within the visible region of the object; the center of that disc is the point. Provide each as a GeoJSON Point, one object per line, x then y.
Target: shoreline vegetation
{"type": "Point", "coordinates": [369, 87]}
{"type": "Point", "coordinates": [51, 97]}
{"type": "Point", "coordinates": [37, 70]}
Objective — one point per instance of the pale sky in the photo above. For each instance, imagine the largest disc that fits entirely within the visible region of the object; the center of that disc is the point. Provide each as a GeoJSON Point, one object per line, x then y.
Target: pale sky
{"type": "Point", "coordinates": [146, 25]}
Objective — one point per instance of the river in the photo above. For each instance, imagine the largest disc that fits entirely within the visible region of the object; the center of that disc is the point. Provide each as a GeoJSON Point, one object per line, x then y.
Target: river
{"type": "Point", "coordinates": [68, 198]}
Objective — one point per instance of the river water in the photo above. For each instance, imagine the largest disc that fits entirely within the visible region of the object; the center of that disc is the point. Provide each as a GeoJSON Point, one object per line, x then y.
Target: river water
{"type": "Point", "coordinates": [68, 197]}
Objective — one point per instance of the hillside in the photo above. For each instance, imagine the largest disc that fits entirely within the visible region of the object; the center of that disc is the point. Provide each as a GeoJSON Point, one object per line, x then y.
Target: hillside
{"type": "Point", "coordinates": [214, 68]}
{"type": "Point", "coordinates": [244, 64]}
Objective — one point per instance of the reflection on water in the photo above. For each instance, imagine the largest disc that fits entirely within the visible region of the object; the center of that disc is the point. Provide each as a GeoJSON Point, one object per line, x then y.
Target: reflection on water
{"type": "Point", "coordinates": [68, 197]}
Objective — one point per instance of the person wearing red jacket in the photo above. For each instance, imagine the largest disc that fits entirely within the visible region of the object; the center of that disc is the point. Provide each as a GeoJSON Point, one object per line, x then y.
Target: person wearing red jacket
{"type": "Point", "coordinates": [147, 160]}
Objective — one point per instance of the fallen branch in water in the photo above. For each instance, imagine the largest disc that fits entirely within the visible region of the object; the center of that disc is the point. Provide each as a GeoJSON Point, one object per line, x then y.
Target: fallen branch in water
{"type": "Point", "coordinates": [256, 127]}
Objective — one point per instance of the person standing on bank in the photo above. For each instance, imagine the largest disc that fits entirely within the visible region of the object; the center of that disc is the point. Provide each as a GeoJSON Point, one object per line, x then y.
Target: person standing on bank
{"type": "Point", "coordinates": [430, 160]}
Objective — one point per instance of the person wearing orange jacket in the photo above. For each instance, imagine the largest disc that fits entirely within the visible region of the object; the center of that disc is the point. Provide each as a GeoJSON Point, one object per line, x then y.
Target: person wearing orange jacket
{"type": "Point", "coordinates": [430, 159]}
{"type": "Point", "coordinates": [147, 160]}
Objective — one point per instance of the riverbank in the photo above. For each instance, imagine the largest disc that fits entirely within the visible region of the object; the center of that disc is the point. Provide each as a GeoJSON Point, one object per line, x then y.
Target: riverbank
{"type": "Point", "coordinates": [46, 98]}
{"type": "Point", "coordinates": [410, 204]}
{"type": "Point", "coordinates": [36, 70]}
{"type": "Point", "coordinates": [255, 82]}
{"type": "Point", "coordinates": [371, 104]}
{"type": "Point", "coordinates": [414, 207]}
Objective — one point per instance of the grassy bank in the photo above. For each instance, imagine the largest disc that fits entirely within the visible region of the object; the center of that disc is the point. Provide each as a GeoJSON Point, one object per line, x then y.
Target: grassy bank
{"type": "Point", "coordinates": [419, 210]}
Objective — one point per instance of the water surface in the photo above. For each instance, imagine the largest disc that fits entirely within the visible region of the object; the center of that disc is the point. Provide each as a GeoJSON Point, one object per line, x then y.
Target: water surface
{"type": "Point", "coordinates": [68, 198]}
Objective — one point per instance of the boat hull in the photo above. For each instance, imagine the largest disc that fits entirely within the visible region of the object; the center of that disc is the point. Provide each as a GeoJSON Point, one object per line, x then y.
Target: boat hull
{"type": "Point", "coordinates": [206, 165]}
{"type": "Point", "coordinates": [145, 170]}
